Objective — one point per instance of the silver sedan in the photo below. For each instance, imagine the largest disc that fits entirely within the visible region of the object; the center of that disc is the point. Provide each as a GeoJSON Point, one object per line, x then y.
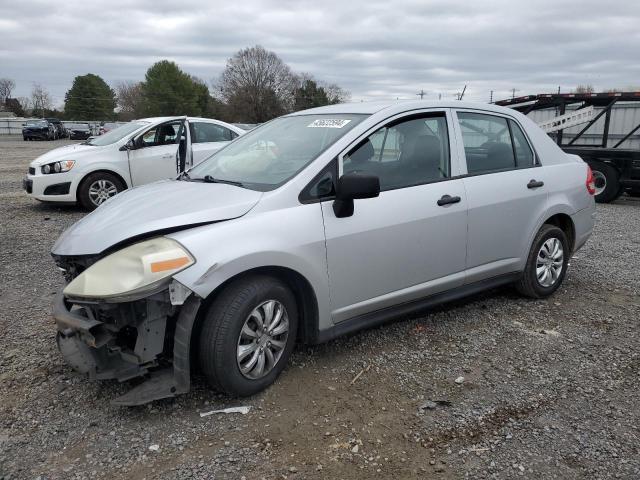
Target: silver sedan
{"type": "Point", "coordinates": [310, 226]}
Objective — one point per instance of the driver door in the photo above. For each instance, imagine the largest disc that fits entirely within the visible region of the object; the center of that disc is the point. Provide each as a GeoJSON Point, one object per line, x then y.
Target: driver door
{"type": "Point", "coordinates": [406, 243]}
{"type": "Point", "coordinates": [156, 155]}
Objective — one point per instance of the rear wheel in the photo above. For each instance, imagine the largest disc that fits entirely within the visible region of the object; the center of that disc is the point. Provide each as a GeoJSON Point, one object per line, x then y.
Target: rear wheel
{"type": "Point", "coordinates": [248, 335]}
{"type": "Point", "coordinates": [546, 264]}
{"type": "Point", "coordinates": [607, 182]}
{"type": "Point", "coordinates": [97, 188]}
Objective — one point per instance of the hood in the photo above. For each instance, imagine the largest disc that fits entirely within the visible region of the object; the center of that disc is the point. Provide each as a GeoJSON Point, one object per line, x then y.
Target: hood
{"type": "Point", "coordinates": [68, 152]}
{"type": "Point", "coordinates": [35, 127]}
{"type": "Point", "coordinates": [160, 206]}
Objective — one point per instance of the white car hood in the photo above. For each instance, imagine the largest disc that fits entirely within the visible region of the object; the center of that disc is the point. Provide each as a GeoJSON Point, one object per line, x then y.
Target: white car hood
{"type": "Point", "coordinates": [69, 152]}
{"type": "Point", "coordinates": [157, 207]}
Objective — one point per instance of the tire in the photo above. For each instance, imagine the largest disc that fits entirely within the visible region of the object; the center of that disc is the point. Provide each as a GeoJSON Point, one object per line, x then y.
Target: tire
{"type": "Point", "coordinates": [530, 284]}
{"type": "Point", "coordinates": [607, 180]}
{"type": "Point", "coordinates": [222, 337]}
{"type": "Point", "coordinates": [87, 196]}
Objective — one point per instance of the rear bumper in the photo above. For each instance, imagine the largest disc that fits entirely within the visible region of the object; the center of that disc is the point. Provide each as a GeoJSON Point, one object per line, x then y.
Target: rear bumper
{"type": "Point", "coordinates": [123, 341]}
{"type": "Point", "coordinates": [583, 222]}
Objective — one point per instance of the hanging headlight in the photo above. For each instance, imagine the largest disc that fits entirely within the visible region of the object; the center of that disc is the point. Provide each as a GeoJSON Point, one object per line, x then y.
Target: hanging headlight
{"type": "Point", "coordinates": [133, 272]}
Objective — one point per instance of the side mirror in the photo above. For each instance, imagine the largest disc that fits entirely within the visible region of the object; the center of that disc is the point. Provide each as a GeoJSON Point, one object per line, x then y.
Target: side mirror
{"type": "Point", "coordinates": [352, 186]}
{"type": "Point", "coordinates": [130, 145]}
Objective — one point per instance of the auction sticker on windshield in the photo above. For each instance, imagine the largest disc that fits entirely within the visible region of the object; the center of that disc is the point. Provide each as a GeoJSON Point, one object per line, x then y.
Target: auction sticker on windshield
{"type": "Point", "coordinates": [329, 123]}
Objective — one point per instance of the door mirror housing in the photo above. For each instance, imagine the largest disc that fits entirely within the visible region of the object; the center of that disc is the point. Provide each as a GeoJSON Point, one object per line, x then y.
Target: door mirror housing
{"type": "Point", "coordinates": [352, 186]}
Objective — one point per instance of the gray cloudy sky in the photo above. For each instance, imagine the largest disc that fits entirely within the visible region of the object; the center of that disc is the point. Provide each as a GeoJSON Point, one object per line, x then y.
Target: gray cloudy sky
{"type": "Point", "coordinates": [374, 49]}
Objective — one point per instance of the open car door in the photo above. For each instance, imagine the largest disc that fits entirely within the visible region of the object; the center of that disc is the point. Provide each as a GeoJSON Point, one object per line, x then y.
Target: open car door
{"type": "Point", "coordinates": [159, 153]}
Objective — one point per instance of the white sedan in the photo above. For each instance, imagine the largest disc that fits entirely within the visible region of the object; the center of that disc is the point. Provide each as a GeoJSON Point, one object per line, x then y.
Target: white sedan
{"type": "Point", "coordinates": [136, 153]}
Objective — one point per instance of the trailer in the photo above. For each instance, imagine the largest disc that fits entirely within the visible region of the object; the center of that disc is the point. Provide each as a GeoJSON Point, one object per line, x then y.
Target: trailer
{"type": "Point", "coordinates": [614, 160]}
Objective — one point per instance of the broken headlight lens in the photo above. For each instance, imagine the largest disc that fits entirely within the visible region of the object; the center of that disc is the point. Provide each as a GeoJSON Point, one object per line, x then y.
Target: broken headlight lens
{"type": "Point", "coordinates": [131, 272]}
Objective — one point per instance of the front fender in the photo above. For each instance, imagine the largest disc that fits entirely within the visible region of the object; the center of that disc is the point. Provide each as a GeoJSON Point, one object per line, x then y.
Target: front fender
{"type": "Point", "coordinates": [291, 238]}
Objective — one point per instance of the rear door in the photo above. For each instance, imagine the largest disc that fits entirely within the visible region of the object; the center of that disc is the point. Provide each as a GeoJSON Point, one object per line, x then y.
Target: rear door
{"type": "Point", "coordinates": [156, 157]}
{"type": "Point", "coordinates": [401, 245]}
{"type": "Point", "coordinates": [207, 138]}
{"type": "Point", "coordinates": [505, 191]}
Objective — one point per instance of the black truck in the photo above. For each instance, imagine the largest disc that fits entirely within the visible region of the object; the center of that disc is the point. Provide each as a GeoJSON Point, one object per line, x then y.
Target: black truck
{"type": "Point", "coordinates": [616, 169]}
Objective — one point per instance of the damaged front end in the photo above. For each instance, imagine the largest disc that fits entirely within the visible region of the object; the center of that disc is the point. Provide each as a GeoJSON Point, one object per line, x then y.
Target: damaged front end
{"type": "Point", "coordinates": [142, 335]}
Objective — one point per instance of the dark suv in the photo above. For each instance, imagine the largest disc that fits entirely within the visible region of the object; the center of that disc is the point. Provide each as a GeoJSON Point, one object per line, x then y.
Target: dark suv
{"type": "Point", "coordinates": [38, 129]}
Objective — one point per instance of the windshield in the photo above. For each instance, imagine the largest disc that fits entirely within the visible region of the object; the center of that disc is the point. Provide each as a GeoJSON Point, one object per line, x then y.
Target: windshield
{"type": "Point", "coordinates": [270, 155]}
{"type": "Point", "coordinates": [112, 136]}
{"type": "Point", "coordinates": [37, 123]}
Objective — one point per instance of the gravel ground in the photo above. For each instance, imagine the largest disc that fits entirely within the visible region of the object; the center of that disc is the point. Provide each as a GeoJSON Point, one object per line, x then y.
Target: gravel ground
{"type": "Point", "coordinates": [550, 388]}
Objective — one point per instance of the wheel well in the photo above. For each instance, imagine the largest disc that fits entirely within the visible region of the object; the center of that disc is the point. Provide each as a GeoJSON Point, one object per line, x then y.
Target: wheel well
{"type": "Point", "coordinates": [110, 172]}
{"type": "Point", "coordinates": [299, 285]}
{"type": "Point", "coordinates": [564, 222]}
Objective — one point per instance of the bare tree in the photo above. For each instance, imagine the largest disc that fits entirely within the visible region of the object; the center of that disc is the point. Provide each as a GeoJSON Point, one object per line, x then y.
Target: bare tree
{"type": "Point", "coordinates": [40, 99]}
{"type": "Point", "coordinates": [25, 103]}
{"type": "Point", "coordinates": [584, 89]}
{"type": "Point", "coordinates": [6, 87]}
{"type": "Point", "coordinates": [337, 94]}
{"type": "Point", "coordinates": [130, 100]}
{"type": "Point", "coordinates": [257, 85]}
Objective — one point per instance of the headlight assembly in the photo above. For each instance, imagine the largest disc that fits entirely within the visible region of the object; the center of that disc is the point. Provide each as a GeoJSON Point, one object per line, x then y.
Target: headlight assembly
{"type": "Point", "coordinates": [58, 167]}
{"type": "Point", "coordinates": [131, 273]}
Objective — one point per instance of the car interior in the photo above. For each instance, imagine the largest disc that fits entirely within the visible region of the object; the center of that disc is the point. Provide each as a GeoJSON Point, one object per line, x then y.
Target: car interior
{"type": "Point", "coordinates": [408, 153]}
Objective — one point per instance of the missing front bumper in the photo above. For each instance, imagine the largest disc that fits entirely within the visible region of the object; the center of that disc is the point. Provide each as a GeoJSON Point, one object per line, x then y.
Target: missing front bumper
{"type": "Point", "coordinates": [161, 351]}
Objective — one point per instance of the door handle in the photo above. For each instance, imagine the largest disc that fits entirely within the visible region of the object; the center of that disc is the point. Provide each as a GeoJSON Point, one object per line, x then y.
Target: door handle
{"type": "Point", "coordinates": [447, 199]}
{"type": "Point", "coordinates": [534, 184]}
{"type": "Point", "coordinates": [167, 156]}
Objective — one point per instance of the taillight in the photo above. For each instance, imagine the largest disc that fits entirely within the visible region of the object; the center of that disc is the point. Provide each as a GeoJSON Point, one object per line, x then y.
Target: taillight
{"type": "Point", "coordinates": [591, 184]}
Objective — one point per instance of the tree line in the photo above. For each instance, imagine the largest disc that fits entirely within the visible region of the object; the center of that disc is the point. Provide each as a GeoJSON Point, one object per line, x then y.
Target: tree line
{"type": "Point", "coordinates": [255, 86]}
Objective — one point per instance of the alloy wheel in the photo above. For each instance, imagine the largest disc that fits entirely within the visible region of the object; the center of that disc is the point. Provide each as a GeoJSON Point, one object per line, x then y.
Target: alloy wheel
{"type": "Point", "coordinates": [101, 190]}
{"type": "Point", "coordinates": [550, 262]}
{"type": "Point", "coordinates": [263, 339]}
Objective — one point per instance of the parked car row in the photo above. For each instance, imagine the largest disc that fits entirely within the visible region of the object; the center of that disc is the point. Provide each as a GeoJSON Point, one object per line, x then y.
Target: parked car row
{"type": "Point", "coordinates": [54, 129]}
{"type": "Point", "coordinates": [311, 226]}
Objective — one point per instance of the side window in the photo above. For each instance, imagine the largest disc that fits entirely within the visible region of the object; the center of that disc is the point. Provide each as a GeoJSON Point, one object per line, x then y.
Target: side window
{"type": "Point", "coordinates": [322, 187]}
{"type": "Point", "coordinates": [164, 134]}
{"type": "Point", "coordinates": [524, 155]}
{"type": "Point", "coordinates": [404, 153]}
{"type": "Point", "coordinates": [487, 142]}
{"type": "Point", "coordinates": [210, 132]}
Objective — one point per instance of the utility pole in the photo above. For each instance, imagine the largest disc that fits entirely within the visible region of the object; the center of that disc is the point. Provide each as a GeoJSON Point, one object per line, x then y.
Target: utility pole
{"type": "Point", "coordinates": [460, 95]}
{"type": "Point", "coordinates": [491, 97]}
{"type": "Point", "coordinates": [513, 93]}
{"type": "Point", "coordinates": [421, 94]}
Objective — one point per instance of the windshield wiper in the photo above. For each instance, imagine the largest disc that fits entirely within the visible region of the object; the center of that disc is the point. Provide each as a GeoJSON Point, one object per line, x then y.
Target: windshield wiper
{"type": "Point", "coordinates": [210, 179]}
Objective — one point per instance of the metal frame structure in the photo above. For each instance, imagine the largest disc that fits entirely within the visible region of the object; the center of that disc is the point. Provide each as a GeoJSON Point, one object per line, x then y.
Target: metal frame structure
{"type": "Point", "coordinates": [625, 160]}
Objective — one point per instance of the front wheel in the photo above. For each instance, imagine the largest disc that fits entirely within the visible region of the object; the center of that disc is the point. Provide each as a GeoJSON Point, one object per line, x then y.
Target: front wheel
{"type": "Point", "coordinates": [546, 264]}
{"type": "Point", "coordinates": [248, 335]}
{"type": "Point", "coordinates": [97, 188]}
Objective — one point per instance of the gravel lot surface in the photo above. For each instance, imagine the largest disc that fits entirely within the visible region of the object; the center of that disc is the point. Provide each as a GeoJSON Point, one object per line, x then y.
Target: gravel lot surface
{"type": "Point", "coordinates": [549, 389]}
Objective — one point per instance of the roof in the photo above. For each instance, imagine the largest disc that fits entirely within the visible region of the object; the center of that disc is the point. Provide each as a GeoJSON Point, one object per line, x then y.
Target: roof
{"type": "Point", "coordinates": [399, 105]}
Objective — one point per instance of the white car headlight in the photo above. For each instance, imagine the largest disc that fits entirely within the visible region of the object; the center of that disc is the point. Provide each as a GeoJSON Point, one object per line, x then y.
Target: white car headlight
{"type": "Point", "coordinates": [132, 272]}
{"type": "Point", "coordinates": [58, 167]}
